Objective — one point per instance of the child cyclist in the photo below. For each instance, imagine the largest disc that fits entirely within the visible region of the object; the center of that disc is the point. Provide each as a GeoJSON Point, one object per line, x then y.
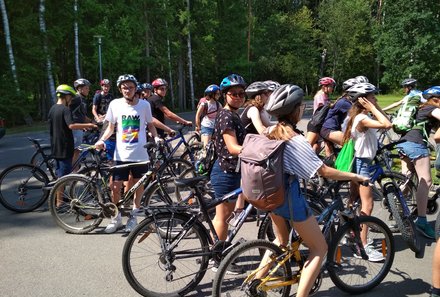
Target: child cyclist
{"type": "Point", "coordinates": [300, 160]}
{"type": "Point", "coordinates": [207, 112]}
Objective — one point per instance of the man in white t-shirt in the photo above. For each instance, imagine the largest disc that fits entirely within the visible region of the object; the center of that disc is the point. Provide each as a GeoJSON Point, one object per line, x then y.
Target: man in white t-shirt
{"type": "Point", "coordinates": [131, 116]}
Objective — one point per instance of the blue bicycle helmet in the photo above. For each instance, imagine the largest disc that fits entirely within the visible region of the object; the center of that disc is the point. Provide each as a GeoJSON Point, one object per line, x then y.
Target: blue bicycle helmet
{"type": "Point", "coordinates": [232, 81]}
{"type": "Point", "coordinates": [431, 92]}
{"type": "Point", "coordinates": [146, 86]}
{"type": "Point", "coordinates": [211, 89]}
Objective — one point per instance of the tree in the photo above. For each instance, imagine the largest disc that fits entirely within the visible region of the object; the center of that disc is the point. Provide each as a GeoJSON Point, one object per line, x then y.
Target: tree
{"type": "Point", "coordinates": [9, 44]}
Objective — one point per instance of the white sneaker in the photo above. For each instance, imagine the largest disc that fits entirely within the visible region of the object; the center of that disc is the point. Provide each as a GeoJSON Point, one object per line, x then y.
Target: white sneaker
{"type": "Point", "coordinates": [131, 224]}
{"type": "Point", "coordinates": [114, 225]}
{"type": "Point", "coordinates": [373, 255]}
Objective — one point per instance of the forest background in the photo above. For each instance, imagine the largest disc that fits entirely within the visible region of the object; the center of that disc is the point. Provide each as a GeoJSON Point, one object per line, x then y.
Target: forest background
{"type": "Point", "coordinates": [194, 43]}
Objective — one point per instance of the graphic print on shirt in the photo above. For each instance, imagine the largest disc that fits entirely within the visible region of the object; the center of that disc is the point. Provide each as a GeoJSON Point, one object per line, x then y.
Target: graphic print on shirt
{"type": "Point", "coordinates": [130, 128]}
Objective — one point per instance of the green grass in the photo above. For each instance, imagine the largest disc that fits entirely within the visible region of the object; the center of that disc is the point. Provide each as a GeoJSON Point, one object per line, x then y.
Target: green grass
{"type": "Point", "coordinates": [385, 100]}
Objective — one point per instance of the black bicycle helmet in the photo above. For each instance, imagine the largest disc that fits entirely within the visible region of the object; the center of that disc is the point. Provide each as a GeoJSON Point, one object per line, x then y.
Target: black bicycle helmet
{"type": "Point", "coordinates": [256, 88]}
{"type": "Point", "coordinates": [361, 90]}
{"type": "Point", "coordinates": [80, 82]}
{"type": "Point", "coordinates": [284, 100]}
{"type": "Point", "coordinates": [232, 81]}
{"type": "Point", "coordinates": [409, 82]}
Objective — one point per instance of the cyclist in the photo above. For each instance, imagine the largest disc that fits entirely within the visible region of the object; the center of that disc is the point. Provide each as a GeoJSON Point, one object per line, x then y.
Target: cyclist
{"type": "Point", "coordinates": [254, 117]}
{"type": "Point", "coordinates": [208, 108]}
{"type": "Point", "coordinates": [160, 111]}
{"type": "Point", "coordinates": [229, 135]}
{"type": "Point", "coordinates": [362, 129]}
{"type": "Point", "coordinates": [61, 125]}
{"type": "Point", "coordinates": [300, 161]}
{"type": "Point", "coordinates": [101, 100]}
{"type": "Point", "coordinates": [147, 90]}
{"type": "Point", "coordinates": [272, 85]}
{"type": "Point", "coordinates": [327, 85]}
{"type": "Point", "coordinates": [417, 154]}
{"type": "Point", "coordinates": [131, 116]}
{"type": "Point", "coordinates": [409, 87]}
{"type": "Point", "coordinates": [78, 108]}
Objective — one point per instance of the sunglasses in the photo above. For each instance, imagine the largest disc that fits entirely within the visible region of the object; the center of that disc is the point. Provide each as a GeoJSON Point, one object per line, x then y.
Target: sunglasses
{"type": "Point", "coordinates": [234, 94]}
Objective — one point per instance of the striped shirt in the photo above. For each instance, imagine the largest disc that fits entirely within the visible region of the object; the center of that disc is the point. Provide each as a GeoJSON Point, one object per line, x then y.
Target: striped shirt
{"type": "Point", "coordinates": [300, 159]}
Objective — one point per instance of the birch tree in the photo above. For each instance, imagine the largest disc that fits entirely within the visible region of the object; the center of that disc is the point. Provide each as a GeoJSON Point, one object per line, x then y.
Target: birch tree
{"type": "Point", "coordinates": [46, 52]}
{"type": "Point", "coordinates": [190, 66]}
{"type": "Point", "coordinates": [9, 44]}
{"type": "Point", "coordinates": [75, 31]}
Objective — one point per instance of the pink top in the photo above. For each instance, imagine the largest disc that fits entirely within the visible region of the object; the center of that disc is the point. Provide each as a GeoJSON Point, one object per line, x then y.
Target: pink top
{"type": "Point", "coordinates": [320, 98]}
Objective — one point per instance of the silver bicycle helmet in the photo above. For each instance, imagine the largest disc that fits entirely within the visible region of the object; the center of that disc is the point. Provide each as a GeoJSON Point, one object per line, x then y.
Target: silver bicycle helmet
{"type": "Point", "coordinates": [362, 79]}
{"type": "Point", "coordinates": [124, 78]}
{"type": "Point", "coordinates": [256, 88]}
{"type": "Point", "coordinates": [80, 82]}
{"type": "Point", "coordinates": [361, 90]}
{"type": "Point", "coordinates": [284, 100]}
{"type": "Point", "coordinates": [409, 82]}
{"type": "Point", "coordinates": [272, 85]}
{"type": "Point", "coordinates": [349, 83]}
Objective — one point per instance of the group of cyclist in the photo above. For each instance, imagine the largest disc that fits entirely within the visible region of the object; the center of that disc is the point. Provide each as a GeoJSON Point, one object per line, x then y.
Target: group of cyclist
{"type": "Point", "coordinates": [355, 115]}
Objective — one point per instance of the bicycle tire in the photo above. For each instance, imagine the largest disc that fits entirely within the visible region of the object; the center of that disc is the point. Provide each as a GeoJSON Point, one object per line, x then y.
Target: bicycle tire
{"type": "Point", "coordinates": [150, 270]}
{"type": "Point", "coordinates": [22, 188]}
{"type": "Point", "coordinates": [190, 151]}
{"type": "Point", "coordinates": [247, 256]}
{"type": "Point", "coordinates": [37, 160]}
{"type": "Point", "coordinates": [409, 191]}
{"type": "Point", "coordinates": [404, 223]}
{"type": "Point", "coordinates": [343, 266]}
{"type": "Point", "coordinates": [80, 212]}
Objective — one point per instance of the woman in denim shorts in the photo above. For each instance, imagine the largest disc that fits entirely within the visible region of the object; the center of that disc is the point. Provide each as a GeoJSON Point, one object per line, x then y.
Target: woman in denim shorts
{"type": "Point", "coordinates": [417, 154]}
{"type": "Point", "coordinates": [362, 129]}
{"type": "Point", "coordinates": [300, 161]}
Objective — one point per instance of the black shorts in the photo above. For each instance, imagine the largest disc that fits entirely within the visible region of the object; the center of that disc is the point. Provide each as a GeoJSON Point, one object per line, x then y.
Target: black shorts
{"type": "Point", "coordinates": [123, 173]}
{"type": "Point", "coordinates": [313, 128]}
{"type": "Point", "coordinates": [325, 132]}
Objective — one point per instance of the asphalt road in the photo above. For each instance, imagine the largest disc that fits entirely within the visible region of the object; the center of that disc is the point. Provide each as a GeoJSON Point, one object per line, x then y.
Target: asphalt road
{"type": "Point", "coordinates": [39, 259]}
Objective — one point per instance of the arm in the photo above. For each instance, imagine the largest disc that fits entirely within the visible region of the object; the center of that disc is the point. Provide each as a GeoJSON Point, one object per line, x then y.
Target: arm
{"type": "Point", "coordinates": [335, 174]}
{"type": "Point", "coordinates": [254, 114]}
{"type": "Point", "coordinates": [381, 122]}
{"type": "Point", "coordinates": [231, 142]}
{"type": "Point", "coordinates": [152, 128]}
{"type": "Point", "coordinates": [393, 105]}
{"type": "Point", "coordinates": [157, 124]}
{"type": "Point", "coordinates": [174, 117]}
{"type": "Point", "coordinates": [80, 126]}
{"type": "Point", "coordinates": [198, 114]}
{"type": "Point", "coordinates": [108, 132]}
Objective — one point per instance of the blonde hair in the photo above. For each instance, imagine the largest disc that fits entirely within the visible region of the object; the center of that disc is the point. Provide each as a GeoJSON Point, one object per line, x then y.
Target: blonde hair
{"type": "Point", "coordinates": [284, 130]}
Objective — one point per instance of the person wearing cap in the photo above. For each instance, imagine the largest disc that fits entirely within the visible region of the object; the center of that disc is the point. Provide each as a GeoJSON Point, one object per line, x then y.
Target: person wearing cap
{"type": "Point", "coordinates": [61, 125]}
{"type": "Point", "coordinates": [101, 100]}
{"type": "Point", "coordinates": [409, 86]}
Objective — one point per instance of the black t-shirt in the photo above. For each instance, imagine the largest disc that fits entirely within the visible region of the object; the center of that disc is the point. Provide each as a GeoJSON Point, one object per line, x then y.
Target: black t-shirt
{"type": "Point", "coordinates": [227, 120]}
{"type": "Point", "coordinates": [78, 107]}
{"type": "Point", "coordinates": [247, 122]}
{"type": "Point", "coordinates": [424, 114]}
{"type": "Point", "coordinates": [156, 105]}
{"type": "Point", "coordinates": [61, 137]}
{"type": "Point", "coordinates": [102, 102]}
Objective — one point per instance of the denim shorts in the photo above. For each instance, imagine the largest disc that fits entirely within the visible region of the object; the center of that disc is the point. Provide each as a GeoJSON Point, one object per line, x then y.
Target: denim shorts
{"type": "Point", "coordinates": [63, 167]}
{"type": "Point", "coordinates": [77, 137]}
{"type": "Point", "coordinates": [206, 131]}
{"type": "Point", "coordinates": [413, 150]}
{"type": "Point", "coordinates": [123, 173]}
{"type": "Point", "coordinates": [224, 182]}
{"type": "Point", "coordinates": [300, 207]}
{"type": "Point", "coordinates": [361, 166]}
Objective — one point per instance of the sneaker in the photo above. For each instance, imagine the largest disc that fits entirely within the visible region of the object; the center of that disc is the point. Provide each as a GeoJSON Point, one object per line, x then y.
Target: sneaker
{"type": "Point", "coordinates": [426, 230]}
{"type": "Point", "coordinates": [114, 225]}
{"type": "Point", "coordinates": [131, 224]}
{"type": "Point", "coordinates": [394, 228]}
{"type": "Point", "coordinates": [373, 255]}
{"type": "Point", "coordinates": [233, 269]}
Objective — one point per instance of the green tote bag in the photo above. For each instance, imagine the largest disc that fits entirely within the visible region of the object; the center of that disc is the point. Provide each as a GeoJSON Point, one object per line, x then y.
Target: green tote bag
{"type": "Point", "coordinates": [344, 161]}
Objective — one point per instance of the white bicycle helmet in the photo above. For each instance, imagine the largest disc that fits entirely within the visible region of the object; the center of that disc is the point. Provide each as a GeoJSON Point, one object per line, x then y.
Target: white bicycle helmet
{"type": "Point", "coordinates": [349, 83]}
{"type": "Point", "coordinates": [272, 85]}
{"type": "Point", "coordinates": [284, 100]}
{"type": "Point", "coordinates": [124, 78]}
{"type": "Point", "coordinates": [362, 79]}
{"type": "Point", "coordinates": [361, 90]}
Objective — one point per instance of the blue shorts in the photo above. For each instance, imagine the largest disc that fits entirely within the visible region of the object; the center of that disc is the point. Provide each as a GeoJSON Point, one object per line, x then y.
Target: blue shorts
{"type": "Point", "coordinates": [110, 146]}
{"type": "Point", "coordinates": [123, 173]}
{"type": "Point", "coordinates": [413, 150]}
{"type": "Point", "coordinates": [63, 167]}
{"type": "Point", "coordinates": [206, 131]}
{"type": "Point", "coordinates": [361, 166]}
{"type": "Point", "coordinates": [223, 182]}
{"type": "Point", "coordinates": [77, 137]}
{"type": "Point", "coordinates": [300, 207]}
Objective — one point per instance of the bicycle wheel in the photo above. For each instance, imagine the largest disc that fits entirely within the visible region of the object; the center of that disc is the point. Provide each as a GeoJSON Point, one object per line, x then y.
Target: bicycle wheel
{"type": "Point", "coordinates": [407, 186]}
{"type": "Point", "coordinates": [348, 271]}
{"type": "Point", "coordinates": [404, 222]}
{"type": "Point", "coordinates": [248, 257]}
{"type": "Point", "coordinates": [74, 204]}
{"type": "Point", "coordinates": [38, 160]}
{"type": "Point", "coordinates": [152, 268]}
{"type": "Point", "coordinates": [22, 188]}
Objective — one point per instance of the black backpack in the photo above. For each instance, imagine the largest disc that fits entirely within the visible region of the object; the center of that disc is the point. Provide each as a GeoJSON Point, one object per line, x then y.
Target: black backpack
{"type": "Point", "coordinates": [319, 116]}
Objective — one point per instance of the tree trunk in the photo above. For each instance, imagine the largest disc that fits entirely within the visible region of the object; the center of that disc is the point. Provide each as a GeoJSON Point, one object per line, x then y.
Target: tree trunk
{"type": "Point", "coordinates": [181, 80]}
{"type": "Point", "coordinates": [147, 44]}
{"type": "Point", "coordinates": [190, 68]}
{"type": "Point", "coordinates": [75, 32]}
{"type": "Point", "coordinates": [9, 44]}
{"type": "Point", "coordinates": [50, 80]}
{"type": "Point", "coordinates": [169, 62]}
{"type": "Point", "coordinates": [249, 37]}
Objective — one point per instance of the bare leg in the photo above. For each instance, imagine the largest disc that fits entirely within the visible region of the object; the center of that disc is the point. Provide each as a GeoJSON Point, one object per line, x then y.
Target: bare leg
{"type": "Point", "coordinates": [222, 213]}
{"type": "Point", "coordinates": [367, 208]}
{"type": "Point", "coordinates": [423, 169]}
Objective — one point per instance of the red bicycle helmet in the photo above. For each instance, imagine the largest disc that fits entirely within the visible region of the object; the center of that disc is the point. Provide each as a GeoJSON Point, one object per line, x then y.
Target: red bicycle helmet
{"type": "Point", "coordinates": [159, 82]}
{"type": "Point", "coordinates": [326, 81]}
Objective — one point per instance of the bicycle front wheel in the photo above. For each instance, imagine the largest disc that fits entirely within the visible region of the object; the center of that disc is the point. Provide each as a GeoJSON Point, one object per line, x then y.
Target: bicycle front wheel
{"type": "Point", "coordinates": [161, 258]}
{"type": "Point", "coordinates": [348, 271]}
{"type": "Point", "coordinates": [404, 222]}
{"type": "Point", "coordinates": [74, 203]}
{"type": "Point", "coordinates": [22, 188]}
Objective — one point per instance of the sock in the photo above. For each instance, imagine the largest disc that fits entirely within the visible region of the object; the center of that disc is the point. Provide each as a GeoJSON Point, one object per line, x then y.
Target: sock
{"type": "Point", "coordinates": [435, 292]}
{"type": "Point", "coordinates": [421, 220]}
{"type": "Point", "coordinates": [135, 211]}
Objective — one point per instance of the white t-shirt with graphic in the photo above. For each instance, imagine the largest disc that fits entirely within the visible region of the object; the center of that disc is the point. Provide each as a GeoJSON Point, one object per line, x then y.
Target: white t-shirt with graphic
{"type": "Point", "coordinates": [131, 126]}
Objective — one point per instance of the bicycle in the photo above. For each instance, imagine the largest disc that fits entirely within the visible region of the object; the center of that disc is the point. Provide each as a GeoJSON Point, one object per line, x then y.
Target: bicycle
{"type": "Point", "coordinates": [25, 187]}
{"type": "Point", "coordinates": [190, 146]}
{"type": "Point", "coordinates": [347, 262]}
{"type": "Point", "coordinates": [86, 200]}
{"type": "Point", "coordinates": [174, 242]}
